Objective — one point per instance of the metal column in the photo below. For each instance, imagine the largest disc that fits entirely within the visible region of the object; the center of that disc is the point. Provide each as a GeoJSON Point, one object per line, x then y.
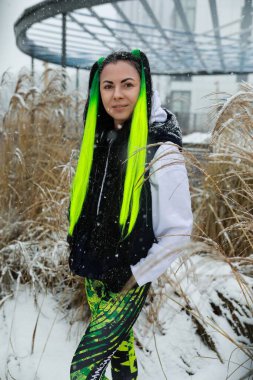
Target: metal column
{"type": "Point", "coordinates": [63, 52]}
{"type": "Point", "coordinates": [77, 90]}
{"type": "Point", "coordinates": [32, 69]}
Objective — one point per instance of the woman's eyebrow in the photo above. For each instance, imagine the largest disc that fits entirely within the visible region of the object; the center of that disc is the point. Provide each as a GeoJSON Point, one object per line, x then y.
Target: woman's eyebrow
{"type": "Point", "coordinates": [124, 80]}
{"type": "Point", "coordinates": [111, 82]}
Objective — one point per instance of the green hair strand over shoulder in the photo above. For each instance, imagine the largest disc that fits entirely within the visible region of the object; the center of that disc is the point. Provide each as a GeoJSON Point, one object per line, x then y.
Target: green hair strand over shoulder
{"type": "Point", "coordinates": [136, 156]}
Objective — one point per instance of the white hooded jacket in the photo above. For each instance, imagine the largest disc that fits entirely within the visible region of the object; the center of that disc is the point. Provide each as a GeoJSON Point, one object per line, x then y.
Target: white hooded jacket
{"type": "Point", "coordinates": [171, 207]}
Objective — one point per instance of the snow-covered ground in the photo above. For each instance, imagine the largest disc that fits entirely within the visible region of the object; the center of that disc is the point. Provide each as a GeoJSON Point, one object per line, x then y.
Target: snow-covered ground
{"type": "Point", "coordinates": [179, 354]}
{"type": "Point", "coordinates": [197, 138]}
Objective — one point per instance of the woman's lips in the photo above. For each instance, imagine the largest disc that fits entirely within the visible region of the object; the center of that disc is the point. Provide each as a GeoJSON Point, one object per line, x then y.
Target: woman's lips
{"type": "Point", "coordinates": [120, 107]}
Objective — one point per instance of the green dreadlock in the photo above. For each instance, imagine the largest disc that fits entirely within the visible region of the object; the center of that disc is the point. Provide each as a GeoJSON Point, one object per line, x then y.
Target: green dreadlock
{"type": "Point", "coordinates": [81, 179]}
{"type": "Point", "coordinates": [135, 160]}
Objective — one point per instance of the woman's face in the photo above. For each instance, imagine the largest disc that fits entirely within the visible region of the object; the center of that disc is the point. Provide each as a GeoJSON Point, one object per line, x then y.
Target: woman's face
{"type": "Point", "coordinates": [119, 88]}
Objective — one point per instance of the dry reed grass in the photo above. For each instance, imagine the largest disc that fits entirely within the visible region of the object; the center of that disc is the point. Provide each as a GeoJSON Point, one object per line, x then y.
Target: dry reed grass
{"type": "Point", "coordinates": [40, 138]}
{"type": "Point", "coordinates": [35, 170]}
{"type": "Point", "coordinates": [224, 214]}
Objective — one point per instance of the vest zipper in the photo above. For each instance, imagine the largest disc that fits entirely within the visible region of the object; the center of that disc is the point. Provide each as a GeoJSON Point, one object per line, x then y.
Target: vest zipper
{"type": "Point", "coordinates": [111, 137]}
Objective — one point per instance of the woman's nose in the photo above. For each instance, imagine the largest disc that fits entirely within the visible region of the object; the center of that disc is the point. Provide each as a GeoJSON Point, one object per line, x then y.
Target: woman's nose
{"type": "Point", "coordinates": [117, 93]}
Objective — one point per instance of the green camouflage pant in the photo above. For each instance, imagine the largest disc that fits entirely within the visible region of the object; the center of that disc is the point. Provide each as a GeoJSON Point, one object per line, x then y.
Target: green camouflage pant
{"type": "Point", "coordinates": [109, 336]}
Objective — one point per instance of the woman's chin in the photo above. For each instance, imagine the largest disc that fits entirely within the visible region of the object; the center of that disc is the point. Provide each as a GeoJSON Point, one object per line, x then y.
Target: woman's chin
{"type": "Point", "coordinates": [122, 120]}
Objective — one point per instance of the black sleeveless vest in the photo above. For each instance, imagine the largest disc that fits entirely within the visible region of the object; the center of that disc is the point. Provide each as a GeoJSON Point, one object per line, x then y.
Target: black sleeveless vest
{"type": "Point", "coordinates": [96, 248]}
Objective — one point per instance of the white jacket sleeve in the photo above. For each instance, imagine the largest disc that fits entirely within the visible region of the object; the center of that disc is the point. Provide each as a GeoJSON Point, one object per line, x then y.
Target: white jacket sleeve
{"type": "Point", "coordinates": [171, 213]}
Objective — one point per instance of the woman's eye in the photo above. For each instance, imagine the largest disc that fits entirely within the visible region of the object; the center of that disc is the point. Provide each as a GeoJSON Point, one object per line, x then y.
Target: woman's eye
{"type": "Point", "coordinates": [129, 84]}
{"type": "Point", "coordinates": [107, 87]}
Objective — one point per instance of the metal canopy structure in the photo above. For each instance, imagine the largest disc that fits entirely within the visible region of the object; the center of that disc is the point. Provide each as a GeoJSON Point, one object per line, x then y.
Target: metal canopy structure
{"type": "Point", "coordinates": [75, 33]}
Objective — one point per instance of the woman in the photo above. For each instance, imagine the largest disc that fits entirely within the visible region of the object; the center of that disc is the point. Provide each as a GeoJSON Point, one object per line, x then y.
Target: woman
{"type": "Point", "coordinates": [118, 213]}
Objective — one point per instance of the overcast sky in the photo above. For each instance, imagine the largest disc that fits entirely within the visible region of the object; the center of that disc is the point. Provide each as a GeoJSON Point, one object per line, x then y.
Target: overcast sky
{"type": "Point", "coordinates": [11, 57]}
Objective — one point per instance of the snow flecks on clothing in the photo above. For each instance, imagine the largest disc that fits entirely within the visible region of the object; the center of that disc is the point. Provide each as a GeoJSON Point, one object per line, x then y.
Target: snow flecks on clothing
{"type": "Point", "coordinates": [170, 128]}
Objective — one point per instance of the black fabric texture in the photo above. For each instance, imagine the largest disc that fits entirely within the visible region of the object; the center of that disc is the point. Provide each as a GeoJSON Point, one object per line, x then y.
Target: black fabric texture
{"type": "Point", "coordinates": [96, 248]}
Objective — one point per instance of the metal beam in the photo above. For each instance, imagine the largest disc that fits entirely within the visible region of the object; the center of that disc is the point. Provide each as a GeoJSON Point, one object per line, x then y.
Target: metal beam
{"type": "Point", "coordinates": [151, 14]}
{"type": "Point", "coordinates": [48, 8]}
{"type": "Point", "coordinates": [32, 69]}
{"type": "Point", "coordinates": [93, 13]}
{"type": "Point", "coordinates": [136, 31]}
{"type": "Point", "coordinates": [63, 51]}
{"type": "Point", "coordinates": [94, 35]}
{"type": "Point", "coordinates": [69, 29]}
{"type": "Point", "coordinates": [216, 26]}
{"type": "Point", "coordinates": [71, 43]}
{"type": "Point", "coordinates": [47, 31]}
{"type": "Point", "coordinates": [77, 90]}
{"type": "Point", "coordinates": [52, 45]}
{"type": "Point", "coordinates": [246, 25]}
{"type": "Point", "coordinates": [181, 13]}
{"type": "Point", "coordinates": [45, 10]}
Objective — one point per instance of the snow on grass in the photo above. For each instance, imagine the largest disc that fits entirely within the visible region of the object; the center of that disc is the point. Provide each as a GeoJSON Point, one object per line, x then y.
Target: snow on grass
{"type": "Point", "coordinates": [177, 353]}
{"type": "Point", "coordinates": [182, 353]}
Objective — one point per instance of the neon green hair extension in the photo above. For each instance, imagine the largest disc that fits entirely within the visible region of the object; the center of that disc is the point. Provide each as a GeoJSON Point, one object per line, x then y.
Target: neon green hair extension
{"type": "Point", "coordinates": [81, 179]}
{"type": "Point", "coordinates": [136, 161]}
